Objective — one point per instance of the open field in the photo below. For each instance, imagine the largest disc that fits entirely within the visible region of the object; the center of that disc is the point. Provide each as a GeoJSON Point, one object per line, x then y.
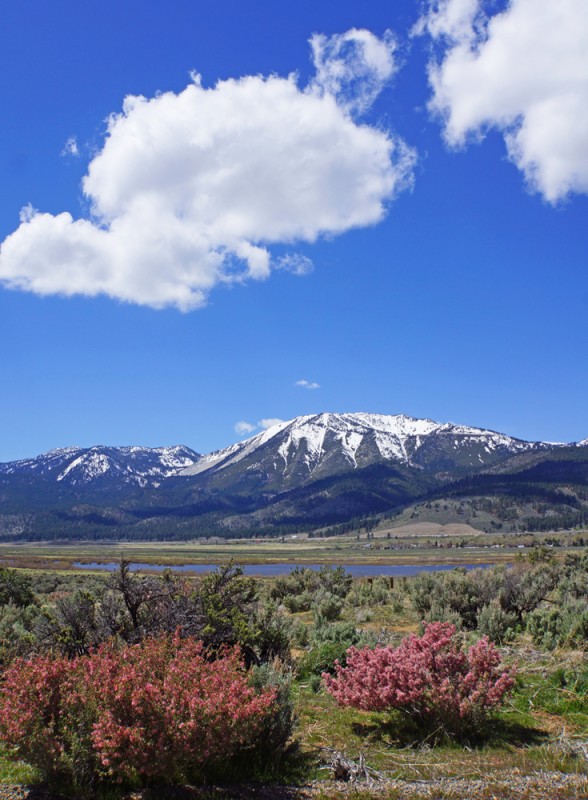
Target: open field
{"type": "Point", "coordinates": [416, 543]}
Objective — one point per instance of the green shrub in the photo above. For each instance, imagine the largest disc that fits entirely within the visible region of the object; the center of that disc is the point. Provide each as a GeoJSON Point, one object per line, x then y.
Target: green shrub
{"type": "Point", "coordinates": [272, 740]}
{"type": "Point", "coordinates": [296, 603]}
{"type": "Point", "coordinates": [322, 659]}
{"type": "Point", "coordinates": [455, 596]}
{"type": "Point", "coordinates": [337, 632]}
{"type": "Point", "coordinates": [300, 633]}
{"type": "Point", "coordinates": [15, 588]}
{"type": "Point", "coordinates": [495, 623]}
{"type": "Point", "coordinates": [298, 590]}
{"type": "Point", "coordinates": [329, 643]}
{"type": "Point", "coordinates": [460, 595]}
{"type": "Point", "coordinates": [326, 607]}
{"type": "Point", "coordinates": [564, 625]}
{"type": "Point", "coordinates": [525, 586]}
{"type": "Point", "coordinates": [273, 634]}
{"type": "Point", "coordinates": [369, 592]}
{"type": "Point", "coordinates": [16, 631]}
{"type": "Point", "coordinates": [442, 613]}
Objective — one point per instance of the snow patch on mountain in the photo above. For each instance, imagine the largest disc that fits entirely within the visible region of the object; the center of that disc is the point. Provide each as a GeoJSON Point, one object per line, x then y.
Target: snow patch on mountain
{"type": "Point", "coordinates": [40, 464]}
{"type": "Point", "coordinates": [235, 452]}
{"type": "Point", "coordinates": [93, 465]}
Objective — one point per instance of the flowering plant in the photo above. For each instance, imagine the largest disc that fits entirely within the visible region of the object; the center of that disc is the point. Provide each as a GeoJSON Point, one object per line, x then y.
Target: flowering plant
{"type": "Point", "coordinates": [430, 677]}
{"type": "Point", "coordinates": [157, 711]}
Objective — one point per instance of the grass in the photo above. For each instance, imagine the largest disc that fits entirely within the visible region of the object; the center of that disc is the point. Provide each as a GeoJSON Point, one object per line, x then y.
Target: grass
{"type": "Point", "coordinates": [553, 688]}
{"type": "Point", "coordinates": [393, 746]}
{"type": "Point", "coordinates": [15, 771]}
{"type": "Point", "coordinates": [535, 731]}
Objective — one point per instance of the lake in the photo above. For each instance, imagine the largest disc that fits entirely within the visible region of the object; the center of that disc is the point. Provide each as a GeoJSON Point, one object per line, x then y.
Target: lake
{"type": "Point", "coordinates": [273, 570]}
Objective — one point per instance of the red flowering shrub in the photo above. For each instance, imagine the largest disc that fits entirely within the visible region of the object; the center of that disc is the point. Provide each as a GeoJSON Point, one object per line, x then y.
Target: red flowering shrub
{"type": "Point", "coordinates": [31, 704]}
{"type": "Point", "coordinates": [155, 711]}
{"type": "Point", "coordinates": [427, 676]}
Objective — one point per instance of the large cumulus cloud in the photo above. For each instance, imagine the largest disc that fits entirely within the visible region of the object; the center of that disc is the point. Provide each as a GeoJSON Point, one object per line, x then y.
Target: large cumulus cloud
{"type": "Point", "coordinates": [523, 71]}
{"type": "Point", "coordinates": [191, 190]}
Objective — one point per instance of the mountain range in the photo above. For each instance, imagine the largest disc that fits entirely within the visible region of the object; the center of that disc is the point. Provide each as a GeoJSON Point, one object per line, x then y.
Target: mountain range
{"type": "Point", "coordinates": [306, 473]}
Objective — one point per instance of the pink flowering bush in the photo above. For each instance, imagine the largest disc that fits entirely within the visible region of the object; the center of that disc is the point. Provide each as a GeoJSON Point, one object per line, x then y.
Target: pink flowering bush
{"type": "Point", "coordinates": [430, 677]}
{"type": "Point", "coordinates": [31, 708]}
{"type": "Point", "coordinates": [158, 711]}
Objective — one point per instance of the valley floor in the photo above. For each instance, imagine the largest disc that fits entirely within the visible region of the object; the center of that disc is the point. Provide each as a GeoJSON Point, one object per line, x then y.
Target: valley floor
{"type": "Point", "coordinates": [414, 543]}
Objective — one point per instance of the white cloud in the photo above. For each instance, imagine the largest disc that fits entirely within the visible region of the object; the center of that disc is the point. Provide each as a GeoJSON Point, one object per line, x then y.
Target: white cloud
{"type": "Point", "coordinates": [454, 19]}
{"type": "Point", "coordinates": [307, 384]}
{"type": "Point", "coordinates": [353, 67]}
{"type": "Point", "coordinates": [70, 148]}
{"type": "Point", "coordinates": [269, 423]}
{"type": "Point", "coordinates": [523, 71]}
{"type": "Point", "coordinates": [295, 263]}
{"type": "Point", "coordinates": [190, 190]}
{"type": "Point", "coordinates": [243, 428]}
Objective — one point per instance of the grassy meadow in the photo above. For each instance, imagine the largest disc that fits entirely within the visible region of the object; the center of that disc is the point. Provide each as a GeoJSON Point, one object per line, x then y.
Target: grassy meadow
{"type": "Point", "coordinates": [406, 543]}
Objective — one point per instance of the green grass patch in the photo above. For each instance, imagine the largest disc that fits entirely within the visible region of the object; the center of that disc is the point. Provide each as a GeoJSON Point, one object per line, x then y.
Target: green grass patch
{"type": "Point", "coordinates": [515, 739]}
{"type": "Point", "coordinates": [561, 694]}
{"type": "Point", "coordinates": [12, 771]}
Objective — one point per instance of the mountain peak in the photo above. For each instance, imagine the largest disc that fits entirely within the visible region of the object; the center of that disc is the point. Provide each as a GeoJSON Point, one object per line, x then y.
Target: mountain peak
{"type": "Point", "coordinates": [317, 445]}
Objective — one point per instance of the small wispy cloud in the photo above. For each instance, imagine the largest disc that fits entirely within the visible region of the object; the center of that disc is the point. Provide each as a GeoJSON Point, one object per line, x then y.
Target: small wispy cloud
{"type": "Point", "coordinates": [308, 384]}
{"type": "Point", "coordinates": [70, 148]}
{"type": "Point", "coordinates": [353, 67]}
{"type": "Point", "coordinates": [269, 423]}
{"type": "Point", "coordinates": [243, 428]}
{"type": "Point", "coordinates": [296, 264]}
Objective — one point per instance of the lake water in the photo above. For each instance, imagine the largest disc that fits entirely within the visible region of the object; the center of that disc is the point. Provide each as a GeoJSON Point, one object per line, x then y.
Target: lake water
{"type": "Point", "coordinates": [273, 570]}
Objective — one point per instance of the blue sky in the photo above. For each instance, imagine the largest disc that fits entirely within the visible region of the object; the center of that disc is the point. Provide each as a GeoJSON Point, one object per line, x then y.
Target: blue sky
{"type": "Point", "coordinates": [400, 227]}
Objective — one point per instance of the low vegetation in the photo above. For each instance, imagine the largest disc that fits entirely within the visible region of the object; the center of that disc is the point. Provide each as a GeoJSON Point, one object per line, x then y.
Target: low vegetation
{"type": "Point", "coordinates": [429, 677]}
{"type": "Point", "coordinates": [162, 710]}
{"type": "Point", "coordinates": [132, 681]}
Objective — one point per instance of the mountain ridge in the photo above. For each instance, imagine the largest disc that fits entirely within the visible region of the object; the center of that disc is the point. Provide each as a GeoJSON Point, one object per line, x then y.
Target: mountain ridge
{"type": "Point", "coordinates": [132, 464]}
{"type": "Point", "coordinates": [388, 427]}
{"type": "Point", "coordinates": [313, 470]}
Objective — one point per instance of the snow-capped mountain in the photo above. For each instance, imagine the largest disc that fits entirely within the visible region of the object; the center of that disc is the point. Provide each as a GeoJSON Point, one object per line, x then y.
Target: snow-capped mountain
{"type": "Point", "coordinates": [77, 466]}
{"type": "Point", "coordinates": [315, 446]}
{"type": "Point", "coordinates": [313, 470]}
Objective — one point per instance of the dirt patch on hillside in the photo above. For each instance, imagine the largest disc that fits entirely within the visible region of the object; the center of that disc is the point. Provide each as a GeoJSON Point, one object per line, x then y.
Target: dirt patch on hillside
{"type": "Point", "coordinates": [432, 529]}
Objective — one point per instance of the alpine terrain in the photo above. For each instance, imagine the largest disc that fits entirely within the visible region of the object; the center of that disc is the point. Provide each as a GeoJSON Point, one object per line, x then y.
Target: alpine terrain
{"type": "Point", "coordinates": [312, 471]}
